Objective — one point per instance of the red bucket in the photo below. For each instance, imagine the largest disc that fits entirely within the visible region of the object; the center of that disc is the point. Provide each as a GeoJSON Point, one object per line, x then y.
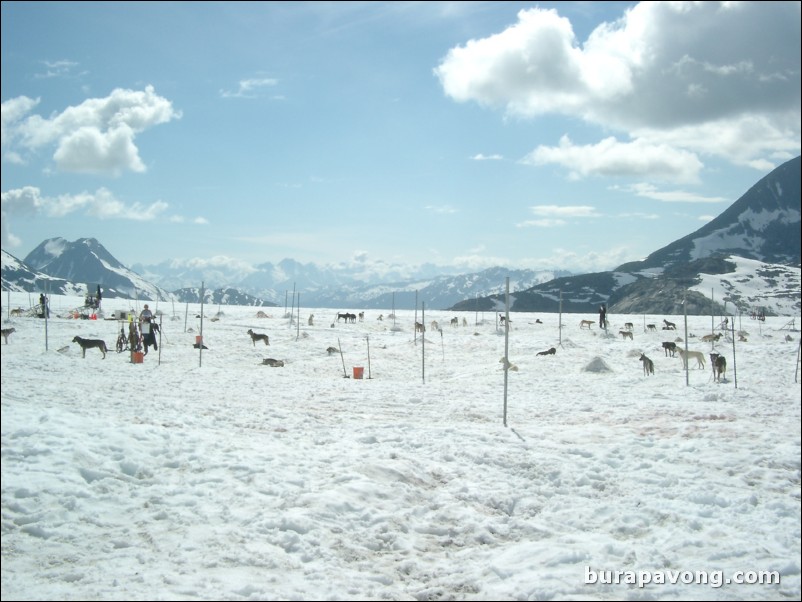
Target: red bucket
{"type": "Point", "coordinates": [359, 371]}
{"type": "Point", "coordinates": [138, 357]}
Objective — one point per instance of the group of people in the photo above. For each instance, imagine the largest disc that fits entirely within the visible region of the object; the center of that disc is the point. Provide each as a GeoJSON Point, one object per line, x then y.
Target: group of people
{"type": "Point", "coordinates": [94, 301]}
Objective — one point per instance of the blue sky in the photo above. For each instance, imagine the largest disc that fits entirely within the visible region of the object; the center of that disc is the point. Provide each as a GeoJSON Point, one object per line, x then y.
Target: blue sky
{"type": "Point", "coordinates": [552, 135]}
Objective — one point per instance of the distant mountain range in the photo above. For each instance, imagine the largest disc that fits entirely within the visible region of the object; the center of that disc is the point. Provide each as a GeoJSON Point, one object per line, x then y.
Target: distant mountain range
{"type": "Point", "coordinates": [64, 267]}
{"type": "Point", "coordinates": [750, 254]}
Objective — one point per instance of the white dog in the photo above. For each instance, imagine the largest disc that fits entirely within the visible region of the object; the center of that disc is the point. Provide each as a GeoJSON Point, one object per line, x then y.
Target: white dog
{"type": "Point", "coordinates": [700, 358]}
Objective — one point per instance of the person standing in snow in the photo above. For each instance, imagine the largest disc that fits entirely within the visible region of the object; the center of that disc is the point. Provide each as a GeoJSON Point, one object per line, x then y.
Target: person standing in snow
{"type": "Point", "coordinates": [148, 329]}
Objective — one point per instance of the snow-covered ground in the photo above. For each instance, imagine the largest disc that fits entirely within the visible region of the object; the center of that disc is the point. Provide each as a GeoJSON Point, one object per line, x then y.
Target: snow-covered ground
{"type": "Point", "coordinates": [215, 477]}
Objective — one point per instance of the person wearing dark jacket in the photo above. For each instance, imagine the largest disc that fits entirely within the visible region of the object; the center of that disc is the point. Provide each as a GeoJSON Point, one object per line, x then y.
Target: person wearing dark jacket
{"type": "Point", "coordinates": [148, 329]}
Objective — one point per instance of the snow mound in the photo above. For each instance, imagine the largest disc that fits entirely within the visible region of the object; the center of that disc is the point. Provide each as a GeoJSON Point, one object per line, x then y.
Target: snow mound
{"type": "Point", "coordinates": [597, 365]}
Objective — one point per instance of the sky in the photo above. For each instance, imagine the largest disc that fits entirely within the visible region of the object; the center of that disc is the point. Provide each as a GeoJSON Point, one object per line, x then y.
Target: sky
{"type": "Point", "coordinates": [125, 481]}
{"type": "Point", "coordinates": [567, 135]}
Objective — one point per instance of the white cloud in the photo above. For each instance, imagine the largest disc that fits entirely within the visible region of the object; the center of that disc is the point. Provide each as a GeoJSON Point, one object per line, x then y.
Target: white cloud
{"type": "Point", "coordinates": [669, 72]}
{"type": "Point", "coordinates": [481, 157]}
{"type": "Point", "coordinates": [564, 210]}
{"type": "Point", "coordinates": [619, 159]}
{"type": "Point", "coordinates": [62, 68]}
{"type": "Point", "coordinates": [638, 215]}
{"type": "Point", "coordinates": [90, 150]}
{"type": "Point", "coordinates": [595, 261]}
{"type": "Point", "coordinates": [554, 216]}
{"type": "Point", "coordinates": [478, 262]}
{"type": "Point", "coordinates": [218, 262]}
{"type": "Point", "coordinates": [101, 204]}
{"type": "Point", "coordinates": [672, 196]}
{"type": "Point", "coordinates": [12, 112]}
{"type": "Point", "coordinates": [541, 223]}
{"type": "Point", "coordinates": [97, 136]}
{"type": "Point", "coordinates": [248, 87]}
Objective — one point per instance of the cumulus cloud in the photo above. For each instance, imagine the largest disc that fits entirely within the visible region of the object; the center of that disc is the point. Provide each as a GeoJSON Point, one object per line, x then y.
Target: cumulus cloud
{"type": "Point", "coordinates": [218, 262]}
{"type": "Point", "coordinates": [12, 113]}
{"type": "Point", "coordinates": [678, 74]}
{"type": "Point", "coordinates": [97, 136]}
{"type": "Point", "coordinates": [622, 159]}
{"type": "Point", "coordinates": [101, 204]}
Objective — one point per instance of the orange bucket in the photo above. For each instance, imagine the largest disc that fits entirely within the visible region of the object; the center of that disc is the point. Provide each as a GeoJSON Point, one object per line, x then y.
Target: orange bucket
{"type": "Point", "coordinates": [198, 340]}
{"type": "Point", "coordinates": [359, 371]}
{"type": "Point", "coordinates": [138, 357]}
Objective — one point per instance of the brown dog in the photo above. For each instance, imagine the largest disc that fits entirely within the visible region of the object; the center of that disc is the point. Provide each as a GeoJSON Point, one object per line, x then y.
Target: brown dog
{"type": "Point", "coordinates": [7, 333]}
{"type": "Point", "coordinates": [648, 365]}
{"type": "Point", "coordinates": [89, 344]}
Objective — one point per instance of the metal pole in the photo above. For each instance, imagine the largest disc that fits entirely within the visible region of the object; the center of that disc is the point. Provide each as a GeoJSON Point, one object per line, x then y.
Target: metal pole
{"type": "Point", "coordinates": [416, 317]}
{"type": "Point", "coordinates": [160, 340]}
{"type": "Point", "coordinates": [685, 309]}
{"type": "Point", "coordinates": [506, 344]}
{"type": "Point", "coordinates": [298, 325]}
{"type": "Point", "coordinates": [340, 347]}
{"type": "Point", "coordinates": [734, 366]}
{"type": "Point", "coordinates": [712, 319]}
{"type": "Point", "coordinates": [423, 341]}
{"type": "Point", "coordinates": [292, 311]}
{"type": "Point", "coordinates": [46, 310]}
{"type": "Point", "coordinates": [560, 327]}
{"type": "Point", "coordinates": [200, 343]}
{"type": "Point", "coordinates": [367, 340]}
